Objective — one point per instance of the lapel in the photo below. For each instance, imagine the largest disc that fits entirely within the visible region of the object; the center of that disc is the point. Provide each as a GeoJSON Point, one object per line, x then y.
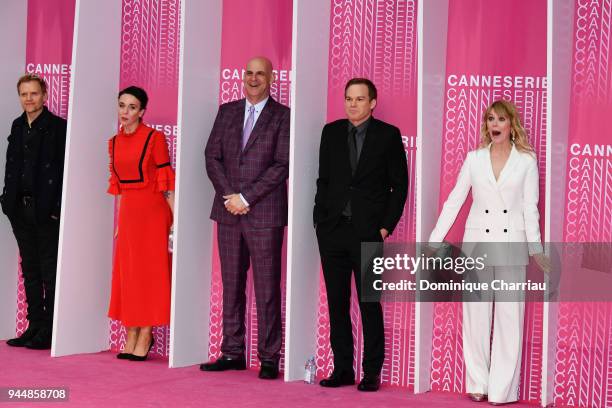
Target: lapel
{"type": "Point", "coordinates": [343, 149]}
{"type": "Point", "coordinates": [236, 123]}
{"type": "Point", "coordinates": [366, 150]}
{"type": "Point", "coordinates": [511, 163]}
{"type": "Point", "coordinates": [508, 169]}
{"type": "Point", "coordinates": [488, 166]}
{"type": "Point", "coordinates": [261, 125]}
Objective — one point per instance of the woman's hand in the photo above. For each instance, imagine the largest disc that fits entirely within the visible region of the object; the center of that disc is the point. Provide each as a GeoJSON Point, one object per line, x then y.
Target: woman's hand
{"type": "Point", "coordinates": [543, 262]}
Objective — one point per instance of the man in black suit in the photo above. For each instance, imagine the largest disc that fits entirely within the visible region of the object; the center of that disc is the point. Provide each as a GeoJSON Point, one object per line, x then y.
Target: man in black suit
{"type": "Point", "coordinates": [31, 199]}
{"type": "Point", "coordinates": [361, 191]}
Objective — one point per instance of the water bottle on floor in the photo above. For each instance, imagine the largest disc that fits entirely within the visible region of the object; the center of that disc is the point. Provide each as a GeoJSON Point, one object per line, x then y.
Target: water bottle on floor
{"type": "Point", "coordinates": [310, 371]}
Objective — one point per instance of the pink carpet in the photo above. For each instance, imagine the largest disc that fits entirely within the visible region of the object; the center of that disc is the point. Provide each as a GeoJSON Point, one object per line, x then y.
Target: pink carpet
{"type": "Point", "coordinates": [96, 380]}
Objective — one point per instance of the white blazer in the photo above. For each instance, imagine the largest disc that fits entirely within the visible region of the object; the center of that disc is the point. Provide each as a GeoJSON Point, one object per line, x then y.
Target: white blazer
{"type": "Point", "coordinates": [503, 211]}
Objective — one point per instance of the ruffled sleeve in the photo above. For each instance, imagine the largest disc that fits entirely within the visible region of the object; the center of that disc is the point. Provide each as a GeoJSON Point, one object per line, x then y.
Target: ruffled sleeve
{"type": "Point", "coordinates": [164, 175]}
{"type": "Point", "coordinates": [113, 182]}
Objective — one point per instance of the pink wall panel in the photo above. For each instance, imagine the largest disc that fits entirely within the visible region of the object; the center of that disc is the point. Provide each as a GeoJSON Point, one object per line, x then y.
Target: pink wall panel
{"type": "Point", "coordinates": [494, 52]}
{"type": "Point", "coordinates": [49, 55]}
{"type": "Point", "coordinates": [250, 28]}
{"type": "Point", "coordinates": [583, 359]}
{"type": "Point", "coordinates": [377, 40]}
{"type": "Point", "coordinates": [150, 34]}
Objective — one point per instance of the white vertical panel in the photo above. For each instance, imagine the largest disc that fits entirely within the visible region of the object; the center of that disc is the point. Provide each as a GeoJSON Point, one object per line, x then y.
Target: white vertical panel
{"type": "Point", "coordinates": [559, 66]}
{"type": "Point", "coordinates": [86, 229]}
{"type": "Point", "coordinates": [200, 67]}
{"type": "Point", "coordinates": [432, 26]}
{"type": "Point", "coordinates": [13, 24]}
{"type": "Point", "coordinates": [309, 63]}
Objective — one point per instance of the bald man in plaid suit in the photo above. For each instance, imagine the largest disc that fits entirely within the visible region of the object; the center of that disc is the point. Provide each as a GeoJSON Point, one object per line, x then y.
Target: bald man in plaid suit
{"type": "Point", "coordinates": [247, 160]}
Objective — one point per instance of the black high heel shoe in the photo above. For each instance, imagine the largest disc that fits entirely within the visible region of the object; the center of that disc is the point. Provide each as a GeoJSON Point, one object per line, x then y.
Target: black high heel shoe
{"type": "Point", "coordinates": [143, 358]}
{"type": "Point", "coordinates": [124, 356]}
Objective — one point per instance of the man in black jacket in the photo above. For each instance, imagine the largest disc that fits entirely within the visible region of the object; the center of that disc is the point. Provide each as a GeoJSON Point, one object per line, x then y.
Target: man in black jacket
{"type": "Point", "coordinates": [31, 199]}
{"type": "Point", "coordinates": [361, 191]}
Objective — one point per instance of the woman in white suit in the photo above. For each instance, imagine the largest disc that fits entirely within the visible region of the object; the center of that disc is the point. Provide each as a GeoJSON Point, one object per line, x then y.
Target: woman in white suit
{"type": "Point", "coordinates": [503, 176]}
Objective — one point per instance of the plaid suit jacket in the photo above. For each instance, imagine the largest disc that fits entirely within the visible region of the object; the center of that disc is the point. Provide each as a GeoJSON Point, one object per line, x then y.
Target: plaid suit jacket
{"type": "Point", "coordinates": [259, 171]}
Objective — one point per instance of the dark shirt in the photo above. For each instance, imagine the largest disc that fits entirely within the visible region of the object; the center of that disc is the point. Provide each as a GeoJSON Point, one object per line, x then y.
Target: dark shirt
{"type": "Point", "coordinates": [360, 135]}
{"type": "Point", "coordinates": [358, 144]}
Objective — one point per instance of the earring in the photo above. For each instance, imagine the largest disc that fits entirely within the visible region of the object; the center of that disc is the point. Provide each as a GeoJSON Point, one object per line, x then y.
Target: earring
{"type": "Point", "coordinates": [512, 133]}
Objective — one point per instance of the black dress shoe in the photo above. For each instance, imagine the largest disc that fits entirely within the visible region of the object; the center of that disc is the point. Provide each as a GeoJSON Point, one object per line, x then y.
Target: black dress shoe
{"type": "Point", "coordinates": [369, 383]}
{"type": "Point", "coordinates": [338, 379]}
{"type": "Point", "coordinates": [268, 370]}
{"type": "Point", "coordinates": [124, 356]}
{"type": "Point", "coordinates": [224, 363]}
{"type": "Point", "coordinates": [42, 340]}
{"type": "Point", "coordinates": [133, 357]}
{"type": "Point", "coordinates": [24, 338]}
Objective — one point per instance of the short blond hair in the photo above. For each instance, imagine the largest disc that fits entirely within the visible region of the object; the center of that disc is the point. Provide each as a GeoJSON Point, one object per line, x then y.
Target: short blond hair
{"type": "Point", "coordinates": [32, 78]}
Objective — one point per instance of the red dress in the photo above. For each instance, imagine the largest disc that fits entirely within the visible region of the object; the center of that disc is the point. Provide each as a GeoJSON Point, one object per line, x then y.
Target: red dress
{"type": "Point", "coordinates": [140, 171]}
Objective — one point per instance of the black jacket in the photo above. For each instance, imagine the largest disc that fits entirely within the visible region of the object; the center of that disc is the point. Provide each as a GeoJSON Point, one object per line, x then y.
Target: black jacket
{"type": "Point", "coordinates": [377, 190]}
{"type": "Point", "coordinates": [48, 171]}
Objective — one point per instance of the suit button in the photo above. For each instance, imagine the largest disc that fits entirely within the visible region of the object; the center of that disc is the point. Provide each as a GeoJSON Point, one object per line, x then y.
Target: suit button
{"type": "Point", "coordinates": [47, 165]}
{"type": "Point", "coordinates": [486, 212]}
{"type": "Point", "coordinates": [505, 211]}
{"type": "Point", "coordinates": [505, 230]}
{"type": "Point", "coordinates": [487, 230]}
{"type": "Point", "coordinates": [50, 181]}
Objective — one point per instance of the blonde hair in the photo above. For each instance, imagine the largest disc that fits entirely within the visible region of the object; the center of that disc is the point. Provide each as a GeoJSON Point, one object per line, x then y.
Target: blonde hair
{"type": "Point", "coordinates": [32, 78]}
{"type": "Point", "coordinates": [519, 135]}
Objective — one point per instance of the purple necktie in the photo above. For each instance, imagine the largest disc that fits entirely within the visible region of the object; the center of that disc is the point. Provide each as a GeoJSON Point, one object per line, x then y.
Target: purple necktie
{"type": "Point", "coordinates": [248, 126]}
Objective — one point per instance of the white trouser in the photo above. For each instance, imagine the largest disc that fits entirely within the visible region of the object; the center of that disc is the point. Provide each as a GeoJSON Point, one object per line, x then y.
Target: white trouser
{"type": "Point", "coordinates": [494, 369]}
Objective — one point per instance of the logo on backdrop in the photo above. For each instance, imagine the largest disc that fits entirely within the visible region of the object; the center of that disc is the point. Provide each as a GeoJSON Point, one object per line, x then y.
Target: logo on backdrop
{"type": "Point", "coordinates": [589, 169]}
{"type": "Point", "coordinates": [150, 35]}
{"type": "Point", "coordinates": [57, 77]}
{"type": "Point", "coordinates": [468, 95]}
{"type": "Point", "coordinates": [377, 38]}
{"type": "Point", "coordinates": [591, 74]}
{"type": "Point", "coordinates": [171, 133]}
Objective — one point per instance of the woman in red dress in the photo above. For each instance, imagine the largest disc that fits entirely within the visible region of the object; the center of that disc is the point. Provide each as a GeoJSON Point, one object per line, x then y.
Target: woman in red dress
{"type": "Point", "coordinates": [143, 181]}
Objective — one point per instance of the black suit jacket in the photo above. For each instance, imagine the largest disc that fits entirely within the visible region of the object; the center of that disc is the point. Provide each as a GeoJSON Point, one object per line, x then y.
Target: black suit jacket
{"type": "Point", "coordinates": [48, 171]}
{"type": "Point", "coordinates": [377, 190]}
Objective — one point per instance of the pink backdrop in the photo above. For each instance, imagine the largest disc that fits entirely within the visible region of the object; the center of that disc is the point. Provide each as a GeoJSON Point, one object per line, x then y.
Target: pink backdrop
{"type": "Point", "coordinates": [48, 54]}
{"type": "Point", "coordinates": [583, 359]}
{"type": "Point", "coordinates": [377, 40]}
{"type": "Point", "coordinates": [487, 38]}
{"type": "Point", "coordinates": [250, 28]}
{"type": "Point", "coordinates": [150, 34]}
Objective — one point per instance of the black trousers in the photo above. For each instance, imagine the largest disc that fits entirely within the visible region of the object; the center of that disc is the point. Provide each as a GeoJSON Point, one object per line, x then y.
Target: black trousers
{"type": "Point", "coordinates": [37, 242]}
{"type": "Point", "coordinates": [340, 251]}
